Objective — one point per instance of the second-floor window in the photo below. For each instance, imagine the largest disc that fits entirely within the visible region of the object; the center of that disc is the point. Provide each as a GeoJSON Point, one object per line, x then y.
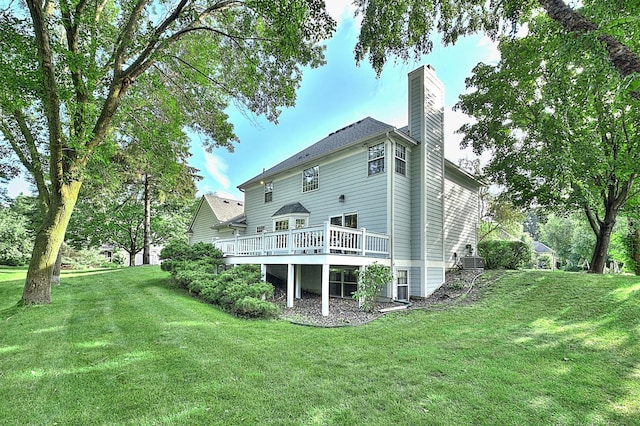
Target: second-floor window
{"type": "Point", "coordinates": [376, 159]}
{"type": "Point", "coordinates": [310, 179]}
{"type": "Point", "coordinates": [268, 192]}
{"type": "Point", "coordinates": [401, 160]}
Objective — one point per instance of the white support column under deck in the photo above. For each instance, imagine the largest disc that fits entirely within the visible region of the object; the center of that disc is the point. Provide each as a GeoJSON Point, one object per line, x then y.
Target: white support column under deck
{"type": "Point", "coordinates": [290, 284]}
{"type": "Point", "coordinates": [325, 290]}
{"type": "Point", "coordinates": [263, 271]}
{"type": "Point", "coordinates": [298, 281]}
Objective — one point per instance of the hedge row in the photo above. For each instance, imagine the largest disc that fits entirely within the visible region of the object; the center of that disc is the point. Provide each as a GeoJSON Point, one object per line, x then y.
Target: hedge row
{"type": "Point", "coordinates": [239, 290]}
{"type": "Point", "coordinates": [498, 254]}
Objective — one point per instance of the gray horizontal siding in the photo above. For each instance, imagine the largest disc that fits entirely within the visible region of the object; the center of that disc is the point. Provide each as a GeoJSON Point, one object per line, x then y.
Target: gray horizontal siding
{"type": "Point", "coordinates": [415, 282]}
{"type": "Point", "coordinates": [202, 224]}
{"type": "Point", "coordinates": [345, 175]}
{"type": "Point", "coordinates": [435, 278]}
{"type": "Point", "coordinates": [402, 223]}
{"type": "Point", "coordinates": [461, 212]}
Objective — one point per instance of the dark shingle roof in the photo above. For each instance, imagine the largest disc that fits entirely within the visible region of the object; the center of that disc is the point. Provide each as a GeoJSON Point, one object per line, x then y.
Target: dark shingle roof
{"type": "Point", "coordinates": [354, 132]}
{"type": "Point", "coordinates": [291, 208]}
{"type": "Point", "coordinates": [539, 247]}
{"type": "Point", "coordinates": [224, 208]}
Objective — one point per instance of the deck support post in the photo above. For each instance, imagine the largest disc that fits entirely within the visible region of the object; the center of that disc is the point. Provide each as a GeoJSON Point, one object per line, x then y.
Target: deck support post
{"type": "Point", "coordinates": [325, 290]}
{"type": "Point", "coordinates": [298, 281]}
{"type": "Point", "coordinates": [263, 271]}
{"type": "Point", "coordinates": [290, 284]}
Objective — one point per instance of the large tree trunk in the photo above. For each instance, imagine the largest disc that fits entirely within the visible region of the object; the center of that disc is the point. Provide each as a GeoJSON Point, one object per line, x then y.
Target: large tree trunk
{"type": "Point", "coordinates": [146, 254]}
{"type": "Point", "coordinates": [55, 278]}
{"type": "Point", "coordinates": [600, 252]}
{"type": "Point", "coordinates": [634, 245]}
{"type": "Point", "coordinates": [37, 288]}
{"type": "Point", "coordinates": [132, 258]}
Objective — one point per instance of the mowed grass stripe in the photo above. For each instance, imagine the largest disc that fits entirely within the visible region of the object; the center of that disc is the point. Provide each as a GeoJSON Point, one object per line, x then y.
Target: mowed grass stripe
{"type": "Point", "coordinates": [124, 347]}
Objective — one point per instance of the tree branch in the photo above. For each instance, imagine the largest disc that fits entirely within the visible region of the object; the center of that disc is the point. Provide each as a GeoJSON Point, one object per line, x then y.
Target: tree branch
{"type": "Point", "coordinates": [623, 58]}
{"type": "Point", "coordinates": [51, 97]}
{"type": "Point", "coordinates": [36, 168]}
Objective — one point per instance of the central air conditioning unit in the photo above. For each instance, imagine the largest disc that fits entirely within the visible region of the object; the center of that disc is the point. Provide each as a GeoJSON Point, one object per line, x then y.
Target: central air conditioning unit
{"type": "Point", "coordinates": [472, 262]}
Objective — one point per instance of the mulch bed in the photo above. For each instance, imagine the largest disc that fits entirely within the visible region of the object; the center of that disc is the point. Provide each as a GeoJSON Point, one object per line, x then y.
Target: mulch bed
{"type": "Point", "coordinates": [460, 287]}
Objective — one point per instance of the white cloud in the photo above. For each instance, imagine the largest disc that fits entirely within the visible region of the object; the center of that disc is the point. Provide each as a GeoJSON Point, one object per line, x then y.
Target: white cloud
{"type": "Point", "coordinates": [340, 9]}
{"type": "Point", "coordinates": [492, 56]}
{"type": "Point", "coordinates": [217, 169]}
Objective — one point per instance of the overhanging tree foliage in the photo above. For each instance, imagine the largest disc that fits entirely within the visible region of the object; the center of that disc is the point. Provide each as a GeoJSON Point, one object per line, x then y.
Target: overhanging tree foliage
{"type": "Point", "coordinates": [562, 130]}
{"type": "Point", "coordinates": [67, 66]}
{"type": "Point", "coordinates": [405, 27]}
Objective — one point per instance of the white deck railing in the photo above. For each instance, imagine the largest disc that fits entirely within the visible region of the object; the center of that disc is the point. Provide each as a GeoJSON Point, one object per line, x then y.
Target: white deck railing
{"type": "Point", "coordinates": [324, 239]}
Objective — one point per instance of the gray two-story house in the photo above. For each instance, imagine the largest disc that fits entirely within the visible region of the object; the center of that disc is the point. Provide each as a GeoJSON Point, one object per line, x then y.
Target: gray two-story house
{"type": "Point", "coordinates": [366, 193]}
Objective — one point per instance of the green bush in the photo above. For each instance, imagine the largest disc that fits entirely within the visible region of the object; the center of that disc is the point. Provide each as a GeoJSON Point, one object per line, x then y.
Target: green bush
{"type": "Point", "coordinates": [85, 258]}
{"type": "Point", "coordinates": [239, 291]}
{"type": "Point", "coordinates": [572, 268]}
{"type": "Point", "coordinates": [545, 261]}
{"type": "Point", "coordinates": [250, 307]}
{"type": "Point", "coordinates": [498, 254]}
{"type": "Point", "coordinates": [179, 250]}
{"type": "Point", "coordinates": [370, 281]}
{"type": "Point", "coordinates": [184, 277]}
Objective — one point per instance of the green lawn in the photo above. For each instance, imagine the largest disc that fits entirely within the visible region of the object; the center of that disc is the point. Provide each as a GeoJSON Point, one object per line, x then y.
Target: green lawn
{"type": "Point", "coordinates": [124, 347]}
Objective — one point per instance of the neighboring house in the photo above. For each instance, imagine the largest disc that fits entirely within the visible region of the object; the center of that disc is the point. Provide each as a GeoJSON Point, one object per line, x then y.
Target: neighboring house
{"type": "Point", "coordinates": [540, 249]}
{"type": "Point", "coordinates": [216, 217]}
{"type": "Point", "coordinates": [366, 193]}
{"type": "Point", "coordinates": [109, 251]}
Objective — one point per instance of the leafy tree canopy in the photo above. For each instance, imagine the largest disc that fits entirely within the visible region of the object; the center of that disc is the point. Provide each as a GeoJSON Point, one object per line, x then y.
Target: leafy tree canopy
{"type": "Point", "coordinates": [67, 68]}
{"type": "Point", "coordinates": [405, 28]}
{"type": "Point", "coordinates": [559, 125]}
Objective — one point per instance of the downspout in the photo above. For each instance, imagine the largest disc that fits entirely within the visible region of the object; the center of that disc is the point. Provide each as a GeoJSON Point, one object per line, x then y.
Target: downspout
{"type": "Point", "coordinates": [392, 212]}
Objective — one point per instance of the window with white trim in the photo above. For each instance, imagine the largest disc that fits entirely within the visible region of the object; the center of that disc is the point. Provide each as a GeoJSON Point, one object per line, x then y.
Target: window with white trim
{"type": "Point", "coordinates": [301, 223]}
{"type": "Point", "coordinates": [348, 220]}
{"type": "Point", "coordinates": [311, 179]}
{"type": "Point", "coordinates": [402, 280]}
{"type": "Point", "coordinates": [281, 225]}
{"type": "Point", "coordinates": [376, 159]}
{"type": "Point", "coordinates": [343, 281]}
{"type": "Point", "coordinates": [268, 192]}
{"type": "Point", "coordinates": [401, 159]}
{"type": "Point", "coordinates": [259, 229]}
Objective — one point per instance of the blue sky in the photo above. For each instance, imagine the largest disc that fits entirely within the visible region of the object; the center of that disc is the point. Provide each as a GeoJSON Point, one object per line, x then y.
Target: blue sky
{"type": "Point", "coordinates": [330, 98]}
{"type": "Point", "coordinates": [334, 96]}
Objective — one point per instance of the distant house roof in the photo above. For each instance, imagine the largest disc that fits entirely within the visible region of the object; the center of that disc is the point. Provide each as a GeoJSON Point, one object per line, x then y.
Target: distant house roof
{"type": "Point", "coordinates": [291, 208]}
{"type": "Point", "coordinates": [226, 210]}
{"type": "Point", "coordinates": [353, 133]}
{"type": "Point", "coordinates": [539, 247]}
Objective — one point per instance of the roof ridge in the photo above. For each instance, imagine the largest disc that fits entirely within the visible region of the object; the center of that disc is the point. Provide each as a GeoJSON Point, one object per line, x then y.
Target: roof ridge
{"type": "Point", "coordinates": [336, 140]}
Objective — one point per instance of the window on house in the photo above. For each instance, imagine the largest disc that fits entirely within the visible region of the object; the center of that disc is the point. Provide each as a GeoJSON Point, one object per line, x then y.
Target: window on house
{"type": "Point", "coordinates": [282, 225]}
{"type": "Point", "coordinates": [376, 159]}
{"type": "Point", "coordinates": [268, 192]}
{"type": "Point", "coordinates": [343, 281]}
{"type": "Point", "coordinates": [260, 229]}
{"type": "Point", "coordinates": [310, 179]}
{"type": "Point", "coordinates": [348, 220]}
{"type": "Point", "coordinates": [401, 160]}
{"type": "Point", "coordinates": [301, 223]}
{"type": "Point", "coordinates": [402, 284]}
